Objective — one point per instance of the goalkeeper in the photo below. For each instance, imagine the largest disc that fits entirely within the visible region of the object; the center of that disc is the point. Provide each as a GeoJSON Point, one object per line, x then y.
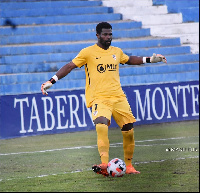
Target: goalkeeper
{"type": "Point", "coordinates": [104, 93]}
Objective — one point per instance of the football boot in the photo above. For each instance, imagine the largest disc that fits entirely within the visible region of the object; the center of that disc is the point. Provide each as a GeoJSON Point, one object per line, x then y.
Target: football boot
{"type": "Point", "coordinates": [131, 170]}
{"type": "Point", "coordinates": [100, 169]}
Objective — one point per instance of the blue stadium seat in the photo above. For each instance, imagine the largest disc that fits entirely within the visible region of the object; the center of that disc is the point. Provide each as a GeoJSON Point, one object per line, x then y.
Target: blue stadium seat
{"type": "Point", "coordinates": [79, 74]}
{"type": "Point", "coordinates": [188, 8]}
{"type": "Point", "coordinates": [74, 47]}
{"type": "Point", "coordinates": [35, 44]}
{"type": "Point", "coordinates": [175, 6]}
{"type": "Point", "coordinates": [14, 5]}
{"type": "Point", "coordinates": [158, 2]}
{"type": "Point", "coordinates": [67, 28]}
{"type": "Point", "coordinates": [190, 14]}
{"type": "Point", "coordinates": [62, 37]}
{"type": "Point", "coordinates": [63, 19]}
{"type": "Point", "coordinates": [12, 13]}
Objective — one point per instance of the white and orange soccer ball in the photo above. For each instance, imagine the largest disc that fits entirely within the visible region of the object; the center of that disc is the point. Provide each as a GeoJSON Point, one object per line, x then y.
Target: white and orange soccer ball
{"type": "Point", "coordinates": [116, 167]}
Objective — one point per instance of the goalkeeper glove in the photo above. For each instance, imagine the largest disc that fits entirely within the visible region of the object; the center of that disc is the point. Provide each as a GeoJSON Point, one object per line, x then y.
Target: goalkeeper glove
{"type": "Point", "coordinates": [157, 58]}
{"type": "Point", "coordinates": [48, 85]}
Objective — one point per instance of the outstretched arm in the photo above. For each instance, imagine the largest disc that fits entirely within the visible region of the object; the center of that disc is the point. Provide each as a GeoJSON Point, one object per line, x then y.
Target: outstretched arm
{"type": "Point", "coordinates": [62, 72]}
{"type": "Point", "coordinates": [137, 60]}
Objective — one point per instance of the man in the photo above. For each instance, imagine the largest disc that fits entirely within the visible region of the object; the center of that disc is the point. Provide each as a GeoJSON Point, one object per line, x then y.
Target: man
{"type": "Point", "coordinates": [104, 93]}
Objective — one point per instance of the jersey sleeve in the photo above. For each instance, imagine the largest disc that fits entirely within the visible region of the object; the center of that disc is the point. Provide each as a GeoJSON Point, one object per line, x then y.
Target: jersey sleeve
{"type": "Point", "coordinates": [81, 58]}
{"type": "Point", "coordinates": [124, 58]}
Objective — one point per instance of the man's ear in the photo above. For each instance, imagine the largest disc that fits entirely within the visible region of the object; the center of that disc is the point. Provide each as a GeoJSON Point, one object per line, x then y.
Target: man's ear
{"type": "Point", "coordinates": [97, 35]}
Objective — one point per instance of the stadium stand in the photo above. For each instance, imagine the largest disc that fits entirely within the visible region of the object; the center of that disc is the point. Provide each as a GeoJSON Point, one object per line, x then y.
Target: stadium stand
{"type": "Point", "coordinates": [179, 18]}
{"type": "Point", "coordinates": [38, 37]}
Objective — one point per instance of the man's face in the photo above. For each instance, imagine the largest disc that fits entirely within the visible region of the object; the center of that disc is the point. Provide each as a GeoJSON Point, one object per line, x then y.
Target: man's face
{"type": "Point", "coordinates": [105, 38]}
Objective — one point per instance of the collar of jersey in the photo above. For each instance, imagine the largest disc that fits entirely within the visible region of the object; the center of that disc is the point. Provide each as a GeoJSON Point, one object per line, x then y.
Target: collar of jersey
{"type": "Point", "coordinates": [101, 49]}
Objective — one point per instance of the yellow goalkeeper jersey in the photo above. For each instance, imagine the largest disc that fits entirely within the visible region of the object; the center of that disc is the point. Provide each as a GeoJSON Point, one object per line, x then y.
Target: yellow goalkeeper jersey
{"type": "Point", "coordinates": [102, 72]}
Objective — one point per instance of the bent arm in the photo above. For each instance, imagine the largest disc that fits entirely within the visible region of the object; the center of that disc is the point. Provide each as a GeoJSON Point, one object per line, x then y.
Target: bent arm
{"type": "Point", "coordinates": [62, 72]}
{"type": "Point", "coordinates": [66, 69]}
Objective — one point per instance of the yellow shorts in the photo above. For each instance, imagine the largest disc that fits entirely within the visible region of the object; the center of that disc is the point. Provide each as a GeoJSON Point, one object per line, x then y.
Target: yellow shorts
{"type": "Point", "coordinates": [118, 108]}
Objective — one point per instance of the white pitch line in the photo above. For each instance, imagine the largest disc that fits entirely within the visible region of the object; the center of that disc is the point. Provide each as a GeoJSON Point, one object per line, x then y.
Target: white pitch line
{"type": "Point", "coordinates": [166, 139]}
{"type": "Point", "coordinates": [89, 169]}
{"type": "Point", "coordinates": [169, 144]}
{"type": "Point", "coordinates": [93, 146]}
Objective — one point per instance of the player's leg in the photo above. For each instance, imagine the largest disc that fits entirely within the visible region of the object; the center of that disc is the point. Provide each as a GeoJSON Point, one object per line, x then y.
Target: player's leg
{"type": "Point", "coordinates": [123, 116]}
{"type": "Point", "coordinates": [101, 124]}
{"type": "Point", "coordinates": [129, 147]}
{"type": "Point", "coordinates": [128, 142]}
{"type": "Point", "coordinates": [101, 115]}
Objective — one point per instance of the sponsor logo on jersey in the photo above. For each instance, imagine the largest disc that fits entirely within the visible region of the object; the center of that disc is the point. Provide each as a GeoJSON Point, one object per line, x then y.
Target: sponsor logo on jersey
{"type": "Point", "coordinates": [106, 67]}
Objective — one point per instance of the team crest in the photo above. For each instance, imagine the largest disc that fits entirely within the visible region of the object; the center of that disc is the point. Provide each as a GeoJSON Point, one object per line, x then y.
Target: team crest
{"type": "Point", "coordinates": [114, 57]}
{"type": "Point", "coordinates": [95, 113]}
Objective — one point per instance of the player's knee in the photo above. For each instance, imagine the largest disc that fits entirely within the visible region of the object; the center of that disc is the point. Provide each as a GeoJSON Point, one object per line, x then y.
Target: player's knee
{"type": "Point", "coordinates": [127, 127]}
{"type": "Point", "coordinates": [101, 120]}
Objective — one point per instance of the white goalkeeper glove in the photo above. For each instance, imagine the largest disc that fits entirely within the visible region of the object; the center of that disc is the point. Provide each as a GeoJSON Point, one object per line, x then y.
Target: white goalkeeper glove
{"type": "Point", "coordinates": [48, 85]}
{"type": "Point", "coordinates": [157, 58]}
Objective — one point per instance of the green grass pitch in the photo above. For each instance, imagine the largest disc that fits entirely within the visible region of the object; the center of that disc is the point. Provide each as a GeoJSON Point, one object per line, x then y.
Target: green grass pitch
{"type": "Point", "coordinates": [167, 155]}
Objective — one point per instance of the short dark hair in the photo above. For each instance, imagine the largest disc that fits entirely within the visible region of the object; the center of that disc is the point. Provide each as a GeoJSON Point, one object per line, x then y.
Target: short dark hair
{"type": "Point", "coordinates": [102, 25]}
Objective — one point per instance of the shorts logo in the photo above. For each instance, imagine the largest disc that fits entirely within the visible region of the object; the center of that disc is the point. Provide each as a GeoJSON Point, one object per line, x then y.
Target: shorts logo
{"type": "Point", "coordinates": [95, 113]}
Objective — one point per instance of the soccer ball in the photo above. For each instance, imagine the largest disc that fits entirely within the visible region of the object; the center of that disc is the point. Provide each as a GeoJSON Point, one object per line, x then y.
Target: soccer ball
{"type": "Point", "coordinates": [116, 167]}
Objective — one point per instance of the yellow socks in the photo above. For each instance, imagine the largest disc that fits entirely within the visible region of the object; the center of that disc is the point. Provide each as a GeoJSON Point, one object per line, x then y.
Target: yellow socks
{"type": "Point", "coordinates": [128, 146]}
{"type": "Point", "coordinates": [103, 142]}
